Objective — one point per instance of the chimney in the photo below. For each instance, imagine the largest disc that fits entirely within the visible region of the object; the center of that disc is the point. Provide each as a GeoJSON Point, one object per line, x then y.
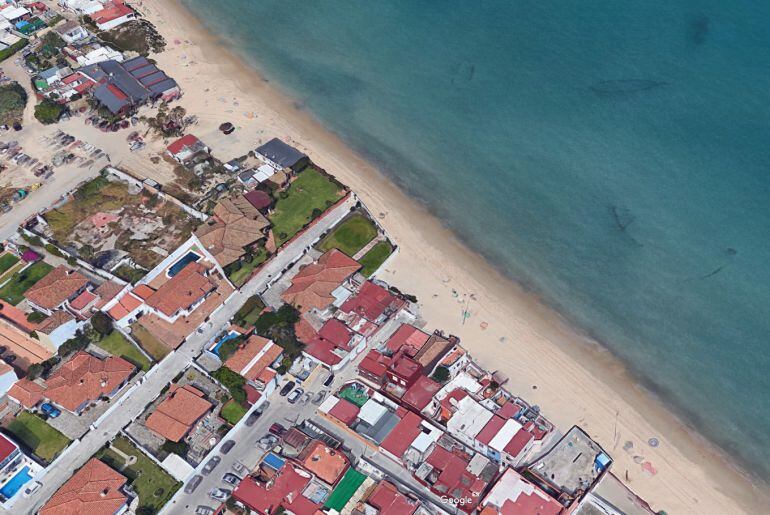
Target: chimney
{"type": "Point", "coordinates": [104, 492]}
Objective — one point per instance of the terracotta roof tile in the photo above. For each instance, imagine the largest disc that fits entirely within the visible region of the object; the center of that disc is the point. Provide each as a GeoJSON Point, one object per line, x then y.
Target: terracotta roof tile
{"type": "Point", "coordinates": [106, 292]}
{"type": "Point", "coordinates": [176, 414]}
{"type": "Point", "coordinates": [58, 285]}
{"type": "Point", "coordinates": [15, 316]}
{"type": "Point", "coordinates": [57, 319]}
{"type": "Point", "coordinates": [236, 224]}
{"type": "Point", "coordinates": [27, 392]}
{"type": "Point", "coordinates": [323, 461]}
{"type": "Point", "coordinates": [85, 378]}
{"type": "Point", "coordinates": [313, 285]}
{"type": "Point", "coordinates": [94, 489]}
{"type": "Point", "coordinates": [182, 291]}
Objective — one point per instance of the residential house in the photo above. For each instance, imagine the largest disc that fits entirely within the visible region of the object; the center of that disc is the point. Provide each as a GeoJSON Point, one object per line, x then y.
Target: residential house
{"type": "Point", "coordinates": [95, 489]}
{"type": "Point", "coordinates": [72, 32]}
{"type": "Point", "coordinates": [326, 463]}
{"type": "Point", "coordinates": [84, 379]}
{"type": "Point", "coordinates": [15, 336]}
{"type": "Point", "coordinates": [253, 360]}
{"type": "Point", "coordinates": [235, 226]}
{"type": "Point", "coordinates": [261, 200]}
{"type": "Point", "coordinates": [55, 289]}
{"type": "Point", "coordinates": [334, 345]}
{"type": "Point", "coordinates": [113, 14]}
{"type": "Point", "coordinates": [8, 377]}
{"type": "Point", "coordinates": [27, 393]}
{"type": "Point", "coordinates": [180, 295]}
{"type": "Point", "coordinates": [512, 493]}
{"type": "Point", "coordinates": [385, 499]}
{"type": "Point", "coordinates": [374, 368]}
{"type": "Point", "coordinates": [284, 489]}
{"type": "Point", "coordinates": [176, 415]}
{"type": "Point", "coordinates": [281, 155]}
{"type": "Point", "coordinates": [187, 149]}
{"type": "Point", "coordinates": [56, 329]}
{"type": "Point", "coordinates": [317, 286]}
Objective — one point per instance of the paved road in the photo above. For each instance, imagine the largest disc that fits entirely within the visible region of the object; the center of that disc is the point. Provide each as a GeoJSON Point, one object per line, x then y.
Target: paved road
{"type": "Point", "coordinates": [247, 451]}
{"type": "Point", "coordinates": [132, 405]}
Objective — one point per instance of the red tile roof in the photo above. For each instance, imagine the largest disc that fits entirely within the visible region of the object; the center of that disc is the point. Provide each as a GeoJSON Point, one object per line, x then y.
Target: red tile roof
{"type": "Point", "coordinates": [111, 11]}
{"type": "Point", "coordinates": [6, 447]}
{"type": "Point", "coordinates": [407, 335]}
{"type": "Point", "coordinates": [259, 199]}
{"type": "Point", "coordinates": [182, 291]}
{"type": "Point", "coordinates": [106, 292]}
{"type": "Point", "coordinates": [454, 479]}
{"type": "Point", "coordinates": [81, 301]}
{"type": "Point", "coordinates": [419, 395]}
{"type": "Point", "coordinates": [519, 441]}
{"type": "Point", "coordinates": [27, 392]}
{"type": "Point", "coordinates": [345, 411]}
{"type": "Point", "coordinates": [311, 288]}
{"type": "Point", "coordinates": [375, 364]}
{"type": "Point", "coordinates": [337, 333]}
{"type": "Point", "coordinates": [125, 305]}
{"type": "Point", "coordinates": [58, 285]}
{"type": "Point", "coordinates": [57, 319]}
{"type": "Point", "coordinates": [177, 414]}
{"type": "Point", "coordinates": [389, 501]}
{"type": "Point", "coordinates": [323, 461]}
{"type": "Point", "coordinates": [94, 489]}
{"type": "Point", "coordinates": [250, 349]}
{"type": "Point", "coordinates": [402, 435]}
{"type": "Point", "coordinates": [285, 491]}
{"type": "Point", "coordinates": [143, 291]}
{"type": "Point", "coordinates": [490, 430]}
{"type": "Point", "coordinates": [188, 140]}
{"type": "Point", "coordinates": [371, 301]}
{"type": "Point", "coordinates": [86, 378]}
{"type": "Point", "coordinates": [323, 351]}
{"type": "Point", "coordinates": [15, 317]}
{"type": "Point", "coordinates": [509, 410]}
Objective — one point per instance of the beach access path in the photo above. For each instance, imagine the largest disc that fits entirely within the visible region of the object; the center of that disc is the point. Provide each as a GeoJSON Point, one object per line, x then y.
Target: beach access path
{"type": "Point", "coordinates": [130, 406]}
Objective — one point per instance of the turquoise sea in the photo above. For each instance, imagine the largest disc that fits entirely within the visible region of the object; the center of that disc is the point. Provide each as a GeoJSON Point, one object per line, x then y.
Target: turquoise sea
{"type": "Point", "coordinates": [613, 156]}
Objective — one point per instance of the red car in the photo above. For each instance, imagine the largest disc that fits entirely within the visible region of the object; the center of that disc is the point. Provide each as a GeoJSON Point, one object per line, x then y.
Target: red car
{"type": "Point", "coordinates": [277, 429]}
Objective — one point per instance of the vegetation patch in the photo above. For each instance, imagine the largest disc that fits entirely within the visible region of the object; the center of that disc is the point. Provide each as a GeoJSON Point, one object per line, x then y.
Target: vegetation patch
{"type": "Point", "coordinates": [117, 344]}
{"type": "Point", "coordinates": [13, 98]}
{"type": "Point", "coordinates": [376, 256]}
{"type": "Point", "coordinates": [48, 111]}
{"type": "Point", "coordinates": [232, 412]}
{"type": "Point", "coordinates": [149, 343]}
{"type": "Point", "coordinates": [45, 441]}
{"type": "Point", "coordinates": [351, 235]}
{"type": "Point", "coordinates": [7, 260]}
{"type": "Point", "coordinates": [249, 312]}
{"type": "Point", "coordinates": [13, 291]}
{"type": "Point", "coordinates": [150, 482]}
{"type": "Point", "coordinates": [8, 52]}
{"type": "Point", "coordinates": [306, 198]}
{"type": "Point", "coordinates": [240, 271]}
{"type": "Point", "coordinates": [137, 36]}
{"type": "Point", "coordinates": [234, 383]}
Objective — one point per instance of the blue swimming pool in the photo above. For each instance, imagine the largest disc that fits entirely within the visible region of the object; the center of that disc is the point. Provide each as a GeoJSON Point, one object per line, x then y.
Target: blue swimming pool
{"type": "Point", "coordinates": [190, 257]}
{"type": "Point", "coordinates": [229, 336]}
{"type": "Point", "coordinates": [14, 485]}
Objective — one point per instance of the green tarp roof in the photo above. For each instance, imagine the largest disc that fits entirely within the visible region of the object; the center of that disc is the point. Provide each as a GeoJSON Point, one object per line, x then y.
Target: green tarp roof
{"type": "Point", "coordinates": [345, 490]}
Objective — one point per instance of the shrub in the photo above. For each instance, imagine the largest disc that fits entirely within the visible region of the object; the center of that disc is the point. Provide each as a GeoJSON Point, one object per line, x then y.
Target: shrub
{"type": "Point", "coordinates": [52, 249]}
{"type": "Point", "coordinates": [101, 323]}
{"type": "Point", "coordinates": [441, 374]}
{"type": "Point", "coordinates": [48, 111]}
{"type": "Point", "coordinates": [233, 382]}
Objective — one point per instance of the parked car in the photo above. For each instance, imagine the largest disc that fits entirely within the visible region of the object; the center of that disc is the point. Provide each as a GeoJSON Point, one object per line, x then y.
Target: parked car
{"type": "Point", "coordinates": [295, 395]}
{"type": "Point", "coordinates": [211, 465]}
{"type": "Point", "coordinates": [227, 446]}
{"type": "Point", "coordinates": [277, 429]}
{"type": "Point", "coordinates": [220, 494]}
{"type": "Point", "coordinates": [287, 388]}
{"type": "Point", "coordinates": [204, 510]}
{"type": "Point", "coordinates": [231, 479]}
{"type": "Point", "coordinates": [50, 410]}
{"type": "Point", "coordinates": [193, 484]}
{"type": "Point", "coordinates": [329, 380]}
{"type": "Point", "coordinates": [238, 467]}
{"type": "Point", "coordinates": [252, 418]}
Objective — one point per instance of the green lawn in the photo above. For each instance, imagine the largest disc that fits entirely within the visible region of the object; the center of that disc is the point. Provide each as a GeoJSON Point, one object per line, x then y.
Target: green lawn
{"type": "Point", "coordinates": [248, 314]}
{"type": "Point", "coordinates": [117, 344]}
{"type": "Point", "coordinates": [377, 255]}
{"type": "Point", "coordinates": [149, 343]}
{"type": "Point", "coordinates": [351, 235]}
{"type": "Point", "coordinates": [13, 291]}
{"type": "Point", "coordinates": [151, 483]}
{"type": "Point", "coordinates": [309, 195]}
{"type": "Point", "coordinates": [7, 260]}
{"type": "Point", "coordinates": [232, 412]}
{"type": "Point", "coordinates": [45, 441]}
{"type": "Point", "coordinates": [238, 277]}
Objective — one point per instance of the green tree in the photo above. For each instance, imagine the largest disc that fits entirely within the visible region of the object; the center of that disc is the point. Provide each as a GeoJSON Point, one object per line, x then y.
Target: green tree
{"type": "Point", "coordinates": [48, 111]}
{"type": "Point", "coordinates": [441, 374]}
{"type": "Point", "coordinates": [101, 323]}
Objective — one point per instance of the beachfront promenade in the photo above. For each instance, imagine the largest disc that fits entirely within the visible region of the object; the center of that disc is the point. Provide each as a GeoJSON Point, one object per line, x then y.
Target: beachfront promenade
{"type": "Point", "coordinates": [129, 407]}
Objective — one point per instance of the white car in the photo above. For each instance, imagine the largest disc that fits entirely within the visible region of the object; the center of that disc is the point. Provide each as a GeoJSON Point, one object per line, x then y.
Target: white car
{"type": "Point", "coordinates": [220, 494]}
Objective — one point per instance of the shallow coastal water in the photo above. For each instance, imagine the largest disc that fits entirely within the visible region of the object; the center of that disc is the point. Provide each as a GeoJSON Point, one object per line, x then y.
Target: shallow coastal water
{"type": "Point", "coordinates": [612, 157]}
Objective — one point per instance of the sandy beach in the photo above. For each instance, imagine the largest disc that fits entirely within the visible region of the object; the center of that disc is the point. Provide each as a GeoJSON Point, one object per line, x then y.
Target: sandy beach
{"type": "Point", "coordinates": [547, 361]}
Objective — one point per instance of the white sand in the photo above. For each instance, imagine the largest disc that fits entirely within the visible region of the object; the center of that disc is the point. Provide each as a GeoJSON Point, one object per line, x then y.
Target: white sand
{"type": "Point", "coordinates": [509, 330]}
